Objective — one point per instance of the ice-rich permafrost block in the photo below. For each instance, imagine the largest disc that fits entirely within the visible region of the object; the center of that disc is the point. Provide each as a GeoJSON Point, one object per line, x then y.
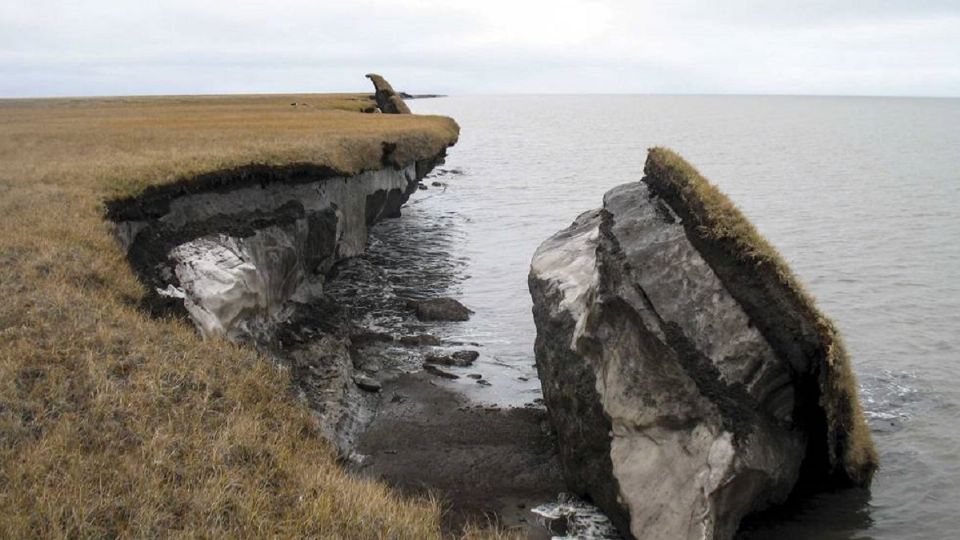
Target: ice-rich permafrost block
{"type": "Point", "coordinates": [690, 378]}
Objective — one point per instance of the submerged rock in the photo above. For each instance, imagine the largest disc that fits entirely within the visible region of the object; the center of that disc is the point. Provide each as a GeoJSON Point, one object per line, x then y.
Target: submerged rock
{"type": "Point", "coordinates": [458, 359]}
{"type": "Point", "coordinates": [235, 259]}
{"type": "Point", "coordinates": [388, 101]}
{"type": "Point", "coordinates": [440, 309]}
{"type": "Point", "coordinates": [690, 379]}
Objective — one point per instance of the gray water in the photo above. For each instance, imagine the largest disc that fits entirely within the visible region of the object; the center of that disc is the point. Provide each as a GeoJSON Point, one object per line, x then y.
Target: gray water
{"type": "Point", "coordinates": [860, 195]}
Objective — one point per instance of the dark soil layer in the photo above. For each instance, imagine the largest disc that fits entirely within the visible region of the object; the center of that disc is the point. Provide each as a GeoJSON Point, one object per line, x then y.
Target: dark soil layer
{"type": "Point", "coordinates": [486, 464]}
{"type": "Point", "coordinates": [154, 201]}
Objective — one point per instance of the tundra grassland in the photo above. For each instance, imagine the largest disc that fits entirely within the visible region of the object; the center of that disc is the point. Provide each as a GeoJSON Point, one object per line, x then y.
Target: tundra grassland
{"type": "Point", "coordinates": [117, 424]}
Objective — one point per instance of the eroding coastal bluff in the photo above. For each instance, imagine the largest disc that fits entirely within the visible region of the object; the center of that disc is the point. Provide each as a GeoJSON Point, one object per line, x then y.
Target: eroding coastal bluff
{"type": "Point", "coordinates": [233, 247]}
{"type": "Point", "coordinates": [117, 422]}
{"type": "Point", "coordinates": [245, 251]}
{"type": "Point", "coordinates": [690, 378]}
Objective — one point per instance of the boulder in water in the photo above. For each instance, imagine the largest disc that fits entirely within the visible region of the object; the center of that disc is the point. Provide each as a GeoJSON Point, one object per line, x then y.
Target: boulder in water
{"type": "Point", "coordinates": [440, 309]}
{"type": "Point", "coordinates": [459, 359]}
{"type": "Point", "coordinates": [690, 378]}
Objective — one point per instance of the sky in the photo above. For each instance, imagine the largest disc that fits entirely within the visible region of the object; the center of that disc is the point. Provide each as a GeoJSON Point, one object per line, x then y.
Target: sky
{"type": "Point", "coordinates": [843, 47]}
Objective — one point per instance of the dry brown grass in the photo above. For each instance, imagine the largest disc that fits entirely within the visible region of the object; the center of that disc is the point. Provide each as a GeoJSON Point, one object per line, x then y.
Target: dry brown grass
{"type": "Point", "coordinates": [718, 219]}
{"type": "Point", "coordinates": [116, 424]}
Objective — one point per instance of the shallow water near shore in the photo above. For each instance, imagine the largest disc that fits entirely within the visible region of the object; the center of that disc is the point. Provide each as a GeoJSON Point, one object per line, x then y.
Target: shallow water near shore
{"type": "Point", "coordinates": [859, 194]}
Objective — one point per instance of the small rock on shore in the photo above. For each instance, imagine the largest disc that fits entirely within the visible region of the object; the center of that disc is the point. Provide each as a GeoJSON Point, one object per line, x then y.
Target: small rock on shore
{"type": "Point", "coordinates": [458, 359]}
{"type": "Point", "coordinates": [434, 370]}
{"type": "Point", "coordinates": [440, 309]}
{"type": "Point", "coordinates": [367, 383]}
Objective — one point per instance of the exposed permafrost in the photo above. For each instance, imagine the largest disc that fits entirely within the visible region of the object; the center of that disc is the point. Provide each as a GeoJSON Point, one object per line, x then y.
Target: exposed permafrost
{"type": "Point", "coordinates": [656, 381]}
{"type": "Point", "coordinates": [685, 380]}
{"type": "Point", "coordinates": [568, 261]}
{"type": "Point", "coordinates": [235, 258]}
{"type": "Point", "coordinates": [226, 289]}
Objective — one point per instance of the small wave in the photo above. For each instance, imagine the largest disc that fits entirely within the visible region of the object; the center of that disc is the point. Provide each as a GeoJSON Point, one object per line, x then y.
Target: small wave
{"type": "Point", "coordinates": [890, 399]}
{"type": "Point", "coordinates": [440, 172]}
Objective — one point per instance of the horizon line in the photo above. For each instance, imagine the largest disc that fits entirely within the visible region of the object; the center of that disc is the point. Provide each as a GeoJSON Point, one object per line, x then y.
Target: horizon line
{"type": "Point", "coordinates": [442, 95]}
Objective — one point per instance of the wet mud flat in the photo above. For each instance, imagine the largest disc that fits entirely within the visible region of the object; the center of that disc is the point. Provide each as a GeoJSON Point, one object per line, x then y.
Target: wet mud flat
{"type": "Point", "coordinates": [487, 464]}
{"type": "Point", "coordinates": [414, 430]}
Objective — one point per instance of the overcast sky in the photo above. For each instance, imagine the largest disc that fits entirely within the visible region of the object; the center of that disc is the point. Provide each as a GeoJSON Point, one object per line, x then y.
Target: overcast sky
{"type": "Point", "coordinates": [99, 47]}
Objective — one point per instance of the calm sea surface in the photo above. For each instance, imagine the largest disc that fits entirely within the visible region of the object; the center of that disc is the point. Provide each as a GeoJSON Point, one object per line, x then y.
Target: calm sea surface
{"type": "Point", "coordinates": [861, 196]}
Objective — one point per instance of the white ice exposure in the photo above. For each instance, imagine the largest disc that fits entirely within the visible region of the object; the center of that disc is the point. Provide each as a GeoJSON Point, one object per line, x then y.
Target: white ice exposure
{"type": "Point", "coordinates": [240, 286]}
{"type": "Point", "coordinates": [226, 286]}
{"type": "Point", "coordinates": [571, 518]}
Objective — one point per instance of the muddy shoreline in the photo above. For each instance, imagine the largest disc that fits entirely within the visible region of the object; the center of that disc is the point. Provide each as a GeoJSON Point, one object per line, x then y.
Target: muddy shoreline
{"type": "Point", "coordinates": [414, 430]}
{"type": "Point", "coordinates": [487, 464]}
{"type": "Point", "coordinates": [357, 354]}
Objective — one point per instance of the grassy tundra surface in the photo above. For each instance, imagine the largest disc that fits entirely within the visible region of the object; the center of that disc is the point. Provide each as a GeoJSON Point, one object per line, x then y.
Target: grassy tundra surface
{"type": "Point", "coordinates": [116, 424]}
